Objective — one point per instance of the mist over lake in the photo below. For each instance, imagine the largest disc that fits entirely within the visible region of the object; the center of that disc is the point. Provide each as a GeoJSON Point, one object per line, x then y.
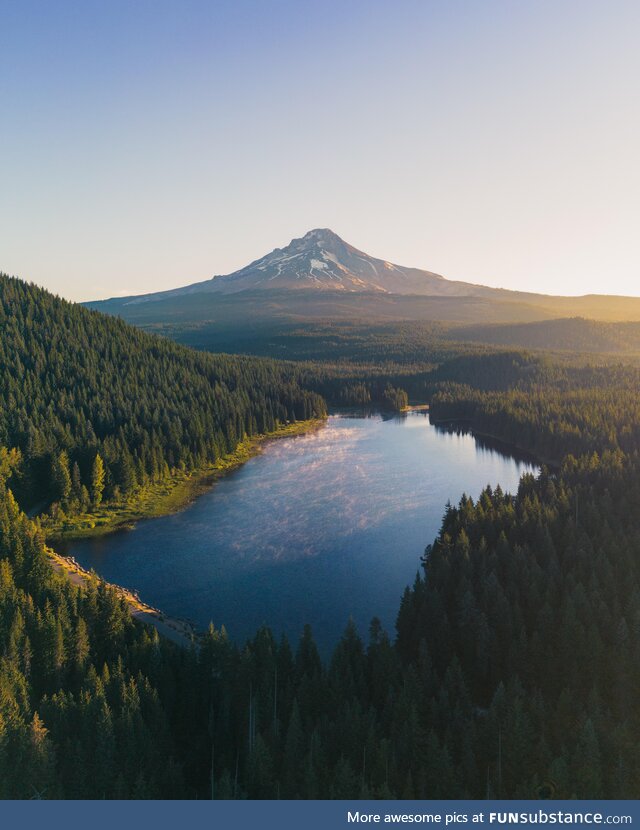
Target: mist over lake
{"type": "Point", "coordinates": [316, 529]}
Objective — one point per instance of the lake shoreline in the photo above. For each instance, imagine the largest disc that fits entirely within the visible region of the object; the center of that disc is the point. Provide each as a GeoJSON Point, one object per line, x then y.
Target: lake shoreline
{"type": "Point", "coordinates": [170, 495]}
{"type": "Point", "coordinates": [501, 443]}
{"type": "Point", "coordinates": [415, 407]}
{"type": "Point", "coordinates": [178, 630]}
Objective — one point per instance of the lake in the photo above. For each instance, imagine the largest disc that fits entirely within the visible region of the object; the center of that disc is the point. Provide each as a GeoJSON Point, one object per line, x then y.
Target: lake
{"type": "Point", "coordinates": [316, 529]}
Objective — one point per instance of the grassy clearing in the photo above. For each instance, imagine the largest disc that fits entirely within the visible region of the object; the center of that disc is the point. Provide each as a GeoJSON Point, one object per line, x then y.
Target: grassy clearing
{"type": "Point", "coordinates": [166, 496]}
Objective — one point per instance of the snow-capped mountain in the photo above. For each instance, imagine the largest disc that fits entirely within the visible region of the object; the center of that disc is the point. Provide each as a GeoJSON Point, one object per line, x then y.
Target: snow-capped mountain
{"type": "Point", "coordinates": [321, 260]}
{"type": "Point", "coordinates": [320, 276]}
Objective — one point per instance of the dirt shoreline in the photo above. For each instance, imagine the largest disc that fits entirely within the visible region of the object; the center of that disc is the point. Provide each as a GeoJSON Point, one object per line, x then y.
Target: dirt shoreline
{"type": "Point", "coordinates": [180, 631]}
{"type": "Point", "coordinates": [416, 407]}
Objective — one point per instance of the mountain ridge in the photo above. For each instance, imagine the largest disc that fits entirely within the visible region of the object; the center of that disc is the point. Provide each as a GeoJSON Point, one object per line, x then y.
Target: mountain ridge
{"type": "Point", "coordinates": [321, 260]}
{"type": "Point", "coordinates": [320, 273]}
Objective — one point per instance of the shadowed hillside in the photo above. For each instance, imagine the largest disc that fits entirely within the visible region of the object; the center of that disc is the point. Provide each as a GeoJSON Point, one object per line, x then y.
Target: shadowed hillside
{"type": "Point", "coordinates": [574, 334]}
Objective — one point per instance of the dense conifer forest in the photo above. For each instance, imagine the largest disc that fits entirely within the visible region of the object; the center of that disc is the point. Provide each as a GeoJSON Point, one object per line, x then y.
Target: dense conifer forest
{"type": "Point", "coordinates": [94, 408]}
{"type": "Point", "coordinates": [515, 664]}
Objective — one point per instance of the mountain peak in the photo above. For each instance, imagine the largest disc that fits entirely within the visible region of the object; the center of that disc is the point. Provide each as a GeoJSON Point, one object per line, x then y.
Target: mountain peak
{"type": "Point", "coordinates": [320, 237]}
{"type": "Point", "coordinates": [322, 234]}
{"type": "Point", "coordinates": [322, 261]}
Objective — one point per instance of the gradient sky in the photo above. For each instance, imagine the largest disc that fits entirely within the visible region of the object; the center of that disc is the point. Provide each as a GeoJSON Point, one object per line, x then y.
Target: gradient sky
{"type": "Point", "coordinates": [148, 144]}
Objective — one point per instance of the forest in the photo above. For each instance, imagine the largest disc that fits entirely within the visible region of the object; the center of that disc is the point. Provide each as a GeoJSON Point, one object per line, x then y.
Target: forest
{"type": "Point", "coordinates": [93, 409]}
{"type": "Point", "coordinates": [515, 663]}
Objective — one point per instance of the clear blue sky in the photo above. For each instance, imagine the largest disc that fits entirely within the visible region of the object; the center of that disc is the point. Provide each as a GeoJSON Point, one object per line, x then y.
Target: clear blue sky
{"type": "Point", "coordinates": [149, 144]}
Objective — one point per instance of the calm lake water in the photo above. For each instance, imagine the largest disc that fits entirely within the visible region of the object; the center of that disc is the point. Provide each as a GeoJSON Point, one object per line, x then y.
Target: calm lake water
{"type": "Point", "coordinates": [316, 529]}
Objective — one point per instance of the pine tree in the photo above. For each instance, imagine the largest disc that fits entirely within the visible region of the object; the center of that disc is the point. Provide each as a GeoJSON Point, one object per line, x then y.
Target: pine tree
{"type": "Point", "coordinates": [97, 480]}
{"type": "Point", "coordinates": [61, 476]}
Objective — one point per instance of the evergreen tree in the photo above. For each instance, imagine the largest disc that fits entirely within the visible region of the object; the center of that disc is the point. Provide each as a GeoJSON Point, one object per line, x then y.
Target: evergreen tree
{"type": "Point", "coordinates": [97, 480]}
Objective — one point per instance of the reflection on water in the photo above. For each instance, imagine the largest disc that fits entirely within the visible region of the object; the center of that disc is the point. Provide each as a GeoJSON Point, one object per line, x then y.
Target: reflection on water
{"type": "Point", "coordinates": [316, 529]}
{"type": "Point", "coordinates": [487, 442]}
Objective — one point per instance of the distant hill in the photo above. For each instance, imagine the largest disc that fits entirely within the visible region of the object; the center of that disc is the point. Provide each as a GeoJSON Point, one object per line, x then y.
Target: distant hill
{"type": "Point", "coordinates": [574, 334]}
